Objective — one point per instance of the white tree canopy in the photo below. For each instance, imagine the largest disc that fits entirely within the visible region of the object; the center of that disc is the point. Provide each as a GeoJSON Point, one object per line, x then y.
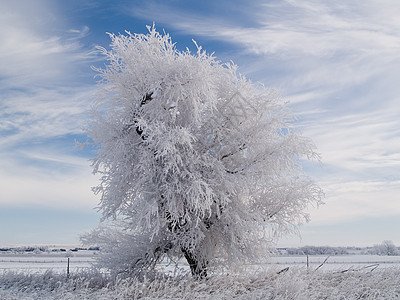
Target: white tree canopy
{"type": "Point", "coordinates": [194, 158]}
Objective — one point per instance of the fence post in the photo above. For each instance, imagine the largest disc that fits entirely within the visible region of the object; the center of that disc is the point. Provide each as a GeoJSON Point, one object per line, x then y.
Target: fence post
{"type": "Point", "coordinates": [68, 268]}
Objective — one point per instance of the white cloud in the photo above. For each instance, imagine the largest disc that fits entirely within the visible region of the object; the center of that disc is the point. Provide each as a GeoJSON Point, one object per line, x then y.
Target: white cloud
{"type": "Point", "coordinates": [359, 142]}
{"type": "Point", "coordinates": [47, 176]}
{"type": "Point", "coordinates": [43, 89]}
{"type": "Point", "coordinates": [45, 98]}
{"type": "Point", "coordinates": [35, 50]}
{"type": "Point", "coordinates": [354, 200]}
{"type": "Point", "coordinates": [71, 192]}
{"type": "Point", "coordinates": [340, 43]}
{"type": "Point", "coordinates": [43, 113]}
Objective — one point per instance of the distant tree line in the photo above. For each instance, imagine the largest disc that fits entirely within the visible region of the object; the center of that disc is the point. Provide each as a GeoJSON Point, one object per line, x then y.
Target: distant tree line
{"type": "Point", "coordinates": [385, 248]}
{"type": "Point", "coordinates": [317, 250]}
{"type": "Point", "coordinates": [44, 249]}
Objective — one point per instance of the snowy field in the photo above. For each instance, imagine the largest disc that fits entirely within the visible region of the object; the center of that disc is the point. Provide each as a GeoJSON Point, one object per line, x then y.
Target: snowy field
{"type": "Point", "coordinates": [338, 262]}
{"type": "Point", "coordinates": [43, 276]}
{"type": "Point", "coordinates": [82, 260]}
{"type": "Point", "coordinates": [41, 262]}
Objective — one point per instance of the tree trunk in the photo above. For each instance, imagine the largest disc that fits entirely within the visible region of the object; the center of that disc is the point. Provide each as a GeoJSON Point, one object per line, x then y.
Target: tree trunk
{"type": "Point", "coordinates": [199, 270]}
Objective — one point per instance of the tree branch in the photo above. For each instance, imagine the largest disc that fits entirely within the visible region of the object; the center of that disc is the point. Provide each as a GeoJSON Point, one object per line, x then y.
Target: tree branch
{"type": "Point", "coordinates": [241, 148]}
{"type": "Point", "coordinates": [127, 128]}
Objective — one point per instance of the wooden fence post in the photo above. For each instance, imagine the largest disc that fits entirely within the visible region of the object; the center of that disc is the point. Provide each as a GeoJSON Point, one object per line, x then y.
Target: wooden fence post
{"type": "Point", "coordinates": [68, 268]}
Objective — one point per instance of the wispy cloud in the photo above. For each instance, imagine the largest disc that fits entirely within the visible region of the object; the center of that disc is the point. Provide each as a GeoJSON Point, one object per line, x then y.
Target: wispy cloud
{"type": "Point", "coordinates": [335, 42]}
{"type": "Point", "coordinates": [356, 142]}
{"type": "Point", "coordinates": [355, 200]}
{"type": "Point", "coordinates": [33, 52]}
{"type": "Point", "coordinates": [38, 113]}
{"type": "Point", "coordinates": [45, 96]}
{"type": "Point", "coordinates": [46, 179]}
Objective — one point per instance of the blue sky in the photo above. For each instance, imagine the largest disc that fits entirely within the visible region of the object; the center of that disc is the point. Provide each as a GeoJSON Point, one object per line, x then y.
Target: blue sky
{"type": "Point", "coordinates": [337, 62]}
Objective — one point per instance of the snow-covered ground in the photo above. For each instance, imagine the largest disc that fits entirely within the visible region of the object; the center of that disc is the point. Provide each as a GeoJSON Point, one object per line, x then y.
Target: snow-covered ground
{"type": "Point", "coordinates": [82, 259]}
{"type": "Point", "coordinates": [43, 261]}
{"type": "Point", "coordinates": [294, 283]}
{"type": "Point", "coordinates": [43, 276]}
{"type": "Point", "coordinates": [338, 262]}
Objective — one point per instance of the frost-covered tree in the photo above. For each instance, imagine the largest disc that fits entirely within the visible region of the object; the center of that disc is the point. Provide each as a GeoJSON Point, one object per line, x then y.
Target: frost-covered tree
{"type": "Point", "coordinates": [195, 160]}
{"type": "Point", "coordinates": [385, 248]}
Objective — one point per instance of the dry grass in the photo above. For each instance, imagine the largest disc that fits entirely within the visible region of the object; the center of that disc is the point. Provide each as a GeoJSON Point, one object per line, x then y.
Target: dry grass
{"type": "Point", "coordinates": [266, 284]}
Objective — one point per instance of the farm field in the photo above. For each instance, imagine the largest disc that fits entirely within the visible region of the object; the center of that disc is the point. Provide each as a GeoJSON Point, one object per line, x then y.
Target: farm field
{"type": "Point", "coordinates": [41, 262]}
{"type": "Point", "coordinates": [43, 276]}
{"type": "Point", "coordinates": [338, 262]}
{"type": "Point", "coordinates": [82, 260]}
